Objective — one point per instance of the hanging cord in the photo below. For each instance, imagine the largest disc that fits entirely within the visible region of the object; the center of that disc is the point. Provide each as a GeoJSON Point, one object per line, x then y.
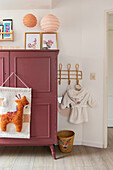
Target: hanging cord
{"type": "Point", "coordinates": [17, 77]}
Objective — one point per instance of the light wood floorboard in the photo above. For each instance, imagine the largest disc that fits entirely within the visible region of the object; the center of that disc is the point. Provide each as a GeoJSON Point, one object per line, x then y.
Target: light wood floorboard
{"type": "Point", "coordinates": [39, 158]}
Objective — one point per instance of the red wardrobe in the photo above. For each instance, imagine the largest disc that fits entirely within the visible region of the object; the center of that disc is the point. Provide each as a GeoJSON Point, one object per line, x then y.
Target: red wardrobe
{"type": "Point", "coordinates": [38, 69]}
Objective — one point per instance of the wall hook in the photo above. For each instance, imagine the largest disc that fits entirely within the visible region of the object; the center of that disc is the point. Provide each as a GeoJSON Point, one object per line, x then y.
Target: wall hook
{"type": "Point", "coordinates": [60, 69]}
{"type": "Point", "coordinates": [68, 67]}
{"type": "Point", "coordinates": [77, 68]}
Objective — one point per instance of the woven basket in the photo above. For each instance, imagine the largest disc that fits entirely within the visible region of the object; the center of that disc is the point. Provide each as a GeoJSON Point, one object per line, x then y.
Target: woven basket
{"type": "Point", "coordinates": [65, 140]}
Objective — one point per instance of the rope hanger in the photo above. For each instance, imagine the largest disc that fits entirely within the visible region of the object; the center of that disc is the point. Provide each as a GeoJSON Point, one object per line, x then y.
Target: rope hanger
{"type": "Point", "coordinates": [13, 73]}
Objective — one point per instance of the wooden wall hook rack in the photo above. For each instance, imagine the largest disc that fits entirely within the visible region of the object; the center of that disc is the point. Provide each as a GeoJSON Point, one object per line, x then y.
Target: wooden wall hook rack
{"type": "Point", "coordinates": [69, 74]}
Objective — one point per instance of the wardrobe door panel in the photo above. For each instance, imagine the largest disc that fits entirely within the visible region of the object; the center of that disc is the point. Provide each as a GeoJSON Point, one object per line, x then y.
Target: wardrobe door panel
{"type": "Point", "coordinates": [43, 119]}
{"type": "Point", "coordinates": [35, 71]}
{"type": "Point", "coordinates": [4, 67]}
{"type": "Point", "coordinates": [38, 71]}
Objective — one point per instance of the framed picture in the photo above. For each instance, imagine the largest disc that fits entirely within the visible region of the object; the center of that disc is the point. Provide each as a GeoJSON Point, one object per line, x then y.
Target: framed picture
{"type": "Point", "coordinates": [1, 22]}
{"type": "Point", "coordinates": [49, 40]}
{"type": "Point", "coordinates": [32, 40]}
{"type": "Point", "coordinates": [1, 30]}
{"type": "Point", "coordinates": [7, 28]}
{"type": "Point", "coordinates": [6, 20]}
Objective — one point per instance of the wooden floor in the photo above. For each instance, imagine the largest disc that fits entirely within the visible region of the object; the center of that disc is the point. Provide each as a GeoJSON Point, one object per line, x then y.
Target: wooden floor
{"type": "Point", "coordinates": [39, 158]}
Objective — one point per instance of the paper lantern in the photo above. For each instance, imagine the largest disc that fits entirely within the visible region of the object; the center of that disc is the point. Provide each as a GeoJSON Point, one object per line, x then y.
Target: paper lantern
{"type": "Point", "coordinates": [49, 23]}
{"type": "Point", "coordinates": [29, 20]}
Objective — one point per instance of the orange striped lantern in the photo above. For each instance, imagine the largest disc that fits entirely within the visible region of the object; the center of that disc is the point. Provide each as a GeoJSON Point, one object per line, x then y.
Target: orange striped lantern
{"type": "Point", "coordinates": [49, 23]}
{"type": "Point", "coordinates": [29, 20]}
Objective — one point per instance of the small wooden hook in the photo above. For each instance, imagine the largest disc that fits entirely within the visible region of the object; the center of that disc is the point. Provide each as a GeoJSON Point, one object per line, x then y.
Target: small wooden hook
{"type": "Point", "coordinates": [77, 66]}
{"type": "Point", "coordinates": [60, 69]}
{"type": "Point", "coordinates": [68, 67]}
{"type": "Point", "coordinates": [60, 66]}
{"type": "Point", "coordinates": [77, 86]}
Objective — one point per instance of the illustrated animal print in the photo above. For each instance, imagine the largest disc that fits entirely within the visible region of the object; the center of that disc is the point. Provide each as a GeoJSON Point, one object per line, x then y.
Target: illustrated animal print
{"type": "Point", "coordinates": [15, 117]}
{"type": "Point", "coordinates": [48, 44]}
{"type": "Point", "coordinates": [65, 144]}
{"type": "Point", "coordinates": [33, 45]}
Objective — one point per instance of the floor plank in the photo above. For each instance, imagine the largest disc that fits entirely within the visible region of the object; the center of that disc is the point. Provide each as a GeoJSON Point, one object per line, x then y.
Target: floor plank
{"type": "Point", "coordinates": [81, 158]}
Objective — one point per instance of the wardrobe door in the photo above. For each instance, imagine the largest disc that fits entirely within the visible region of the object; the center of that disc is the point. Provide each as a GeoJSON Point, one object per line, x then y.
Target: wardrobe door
{"type": "Point", "coordinates": [4, 67]}
{"type": "Point", "coordinates": [38, 70]}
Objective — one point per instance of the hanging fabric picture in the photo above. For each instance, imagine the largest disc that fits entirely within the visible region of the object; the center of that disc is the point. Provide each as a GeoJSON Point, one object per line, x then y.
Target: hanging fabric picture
{"type": "Point", "coordinates": [15, 111]}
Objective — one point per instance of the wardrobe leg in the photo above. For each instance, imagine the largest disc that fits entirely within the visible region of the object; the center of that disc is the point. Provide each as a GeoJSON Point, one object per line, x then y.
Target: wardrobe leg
{"type": "Point", "coordinates": [52, 151]}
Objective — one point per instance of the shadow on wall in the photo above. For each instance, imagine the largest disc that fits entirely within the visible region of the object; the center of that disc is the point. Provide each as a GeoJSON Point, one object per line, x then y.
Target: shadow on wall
{"type": "Point", "coordinates": [60, 3]}
{"type": "Point", "coordinates": [57, 3]}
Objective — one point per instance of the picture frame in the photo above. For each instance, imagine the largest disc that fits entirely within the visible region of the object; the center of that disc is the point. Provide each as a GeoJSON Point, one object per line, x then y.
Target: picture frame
{"type": "Point", "coordinates": [32, 40]}
{"type": "Point", "coordinates": [11, 20]}
{"type": "Point", "coordinates": [1, 22]}
{"type": "Point", "coordinates": [7, 28]}
{"type": "Point", "coordinates": [1, 30]}
{"type": "Point", "coordinates": [49, 40]}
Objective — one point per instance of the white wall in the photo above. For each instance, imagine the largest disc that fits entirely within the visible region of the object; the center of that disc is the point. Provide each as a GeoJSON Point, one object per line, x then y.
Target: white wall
{"type": "Point", "coordinates": [81, 39]}
{"type": "Point", "coordinates": [110, 71]}
{"type": "Point", "coordinates": [85, 26]}
{"type": "Point", "coordinates": [69, 42]}
{"type": "Point", "coordinates": [93, 58]}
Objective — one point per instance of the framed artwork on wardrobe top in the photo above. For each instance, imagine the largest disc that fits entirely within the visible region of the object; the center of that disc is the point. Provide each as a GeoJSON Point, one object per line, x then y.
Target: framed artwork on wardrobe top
{"type": "Point", "coordinates": [32, 40]}
{"type": "Point", "coordinates": [49, 40]}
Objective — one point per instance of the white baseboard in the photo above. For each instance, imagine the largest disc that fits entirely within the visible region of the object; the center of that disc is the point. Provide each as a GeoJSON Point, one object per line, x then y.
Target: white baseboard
{"type": "Point", "coordinates": [87, 143]}
{"type": "Point", "coordinates": [110, 122]}
{"type": "Point", "coordinates": [110, 126]}
{"type": "Point", "coordinates": [77, 143]}
{"type": "Point", "coordinates": [92, 144]}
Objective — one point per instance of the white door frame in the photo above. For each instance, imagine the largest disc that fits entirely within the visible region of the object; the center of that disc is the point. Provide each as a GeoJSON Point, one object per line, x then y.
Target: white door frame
{"type": "Point", "coordinates": [107, 12]}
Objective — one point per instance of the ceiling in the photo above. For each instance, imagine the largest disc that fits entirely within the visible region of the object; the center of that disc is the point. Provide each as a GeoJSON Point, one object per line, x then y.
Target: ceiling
{"type": "Point", "coordinates": [25, 4]}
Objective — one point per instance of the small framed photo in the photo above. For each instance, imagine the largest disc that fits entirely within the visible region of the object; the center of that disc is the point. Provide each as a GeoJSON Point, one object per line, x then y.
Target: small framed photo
{"type": "Point", "coordinates": [1, 23]}
{"type": "Point", "coordinates": [49, 40]}
{"type": "Point", "coordinates": [8, 26]}
{"type": "Point", "coordinates": [9, 20]}
{"type": "Point", "coordinates": [32, 40]}
{"type": "Point", "coordinates": [1, 30]}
